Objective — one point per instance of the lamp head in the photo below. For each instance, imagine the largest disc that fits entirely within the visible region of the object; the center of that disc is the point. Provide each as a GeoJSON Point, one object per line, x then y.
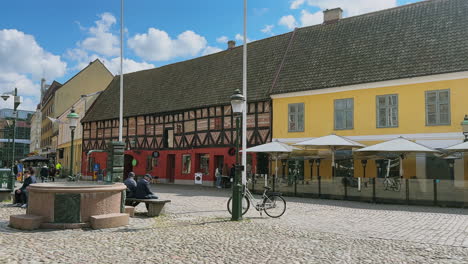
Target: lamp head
{"type": "Point", "coordinates": [5, 97]}
{"type": "Point", "coordinates": [364, 162]}
{"type": "Point", "coordinates": [237, 102]}
{"type": "Point", "coordinates": [318, 162]}
{"type": "Point", "coordinates": [73, 118]}
{"type": "Point", "coordinates": [464, 124]}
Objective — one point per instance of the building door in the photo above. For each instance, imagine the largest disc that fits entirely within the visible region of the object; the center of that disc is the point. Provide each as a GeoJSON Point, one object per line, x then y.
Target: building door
{"type": "Point", "coordinates": [128, 167]}
{"type": "Point", "coordinates": [219, 163]}
{"type": "Point", "coordinates": [170, 169]}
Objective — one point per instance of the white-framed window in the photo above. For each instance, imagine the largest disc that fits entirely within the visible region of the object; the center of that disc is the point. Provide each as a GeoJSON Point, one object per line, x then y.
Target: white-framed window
{"type": "Point", "coordinates": [438, 107]}
{"type": "Point", "coordinates": [344, 114]}
{"type": "Point", "coordinates": [387, 110]}
{"type": "Point", "coordinates": [296, 117]}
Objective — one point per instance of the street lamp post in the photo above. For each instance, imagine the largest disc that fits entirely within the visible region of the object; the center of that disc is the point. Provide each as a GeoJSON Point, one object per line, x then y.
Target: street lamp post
{"type": "Point", "coordinates": [237, 103]}
{"type": "Point", "coordinates": [464, 125]}
{"type": "Point", "coordinates": [17, 102]}
{"type": "Point", "coordinates": [73, 122]}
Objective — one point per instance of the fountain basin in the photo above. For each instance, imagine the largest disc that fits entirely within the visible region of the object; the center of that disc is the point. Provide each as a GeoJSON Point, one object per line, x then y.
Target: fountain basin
{"type": "Point", "coordinates": [75, 205]}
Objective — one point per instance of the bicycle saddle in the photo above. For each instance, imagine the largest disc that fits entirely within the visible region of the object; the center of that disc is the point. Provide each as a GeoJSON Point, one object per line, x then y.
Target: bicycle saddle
{"type": "Point", "coordinates": [267, 188]}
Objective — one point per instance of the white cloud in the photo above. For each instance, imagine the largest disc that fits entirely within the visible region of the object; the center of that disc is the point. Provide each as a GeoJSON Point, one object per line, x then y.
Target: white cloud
{"type": "Point", "coordinates": [355, 7]}
{"type": "Point", "coordinates": [157, 45]}
{"type": "Point", "coordinates": [22, 64]}
{"type": "Point", "coordinates": [222, 39]}
{"type": "Point", "coordinates": [129, 65]}
{"type": "Point", "coordinates": [82, 59]}
{"type": "Point", "coordinates": [101, 40]}
{"type": "Point", "coordinates": [288, 21]}
{"type": "Point", "coordinates": [296, 4]}
{"type": "Point", "coordinates": [260, 11]}
{"type": "Point", "coordinates": [308, 19]}
{"type": "Point", "coordinates": [210, 50]}
{"type": "Point", "coordinates": [20, 53]}
{"type": "Point", "coordinates": [268, 29]}
{"type": "Point", "coordinates": [240, 38]}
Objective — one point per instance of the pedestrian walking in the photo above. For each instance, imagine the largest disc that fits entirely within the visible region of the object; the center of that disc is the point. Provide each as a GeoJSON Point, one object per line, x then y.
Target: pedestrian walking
{"type": "Point", "coordinates": [44, 173]}
{"type": "Point", "coordinates": [52, 172]}
{"type": "Point", "coordinates": [219, 177]}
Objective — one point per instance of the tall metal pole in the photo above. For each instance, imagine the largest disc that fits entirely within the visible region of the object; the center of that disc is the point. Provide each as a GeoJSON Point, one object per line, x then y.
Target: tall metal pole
{"type": "Point", "coordinates": [15, 115]}
{"type": "Point", "coordinates": [244, 92]}
{"type": "Point", "coordinates": [121, 70]}
{"type": "Point", "coordinates": [71, 152]}
{"type": "Point", "coordinates": [236, 189]}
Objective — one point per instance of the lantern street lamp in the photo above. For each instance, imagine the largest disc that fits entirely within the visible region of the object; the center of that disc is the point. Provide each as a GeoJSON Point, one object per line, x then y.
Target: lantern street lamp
{"type": "Point", "coordinates": [364, 164]}
{"type": "Point", "coordinates": [73, 122]}
{"type": "Point", "coordinates": [464, 125]}
{"type": "Point", "coordinates": [237, 103]}
{"type": "Point", "coordinates": [17, 102]}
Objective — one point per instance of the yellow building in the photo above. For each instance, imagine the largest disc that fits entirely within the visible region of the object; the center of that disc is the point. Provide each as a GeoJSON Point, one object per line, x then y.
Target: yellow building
{"type": "Point", "coordinates": [48, 110]}
{"type": "Point", "coordinates": [80, 91]}
{"type": "Point", "coordinates": [375, 77]}
{"type": "Point", "coordinates": [64, 134]}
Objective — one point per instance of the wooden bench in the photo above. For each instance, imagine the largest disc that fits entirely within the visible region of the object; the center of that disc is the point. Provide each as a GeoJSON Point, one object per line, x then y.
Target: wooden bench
{"type": "Point", "coordinates": [155, 206]}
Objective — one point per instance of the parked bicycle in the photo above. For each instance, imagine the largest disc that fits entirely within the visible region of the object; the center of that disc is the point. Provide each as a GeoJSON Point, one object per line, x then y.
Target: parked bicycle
{"type": "Point", "coordinates": [392, 183]}
{"type": "Point", "coordinates": [75, 177]}
{"type": "Point", "coordinates": [272, 203]}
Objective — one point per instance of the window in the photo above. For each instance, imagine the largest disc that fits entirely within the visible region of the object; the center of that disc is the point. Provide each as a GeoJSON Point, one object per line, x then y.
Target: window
{"type": "Point", "coordinates": [344, 113]}
{"type": "Point", "coordinates": [296, 117]}
{"type": "Point", "coordinates": [387, 110]}
{"type": "Point", "coordinates": [218, 123]}
{"type": "Point", "coordinates": [168, 138]}
{"type": "Point", "coordinates": [149, 163]}
{"type": "Point", "coordinates": [186, 164]}
{"type": "Point", "coordinates": [438, 108]}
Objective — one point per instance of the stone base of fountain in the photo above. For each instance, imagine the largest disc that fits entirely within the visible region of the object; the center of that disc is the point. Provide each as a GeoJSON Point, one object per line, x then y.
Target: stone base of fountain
{"type": "Point", "coordinates": [73, 205]}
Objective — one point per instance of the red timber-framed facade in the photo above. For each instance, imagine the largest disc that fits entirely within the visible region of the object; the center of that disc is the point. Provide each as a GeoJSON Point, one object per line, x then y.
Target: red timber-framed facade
{"type": "Point", "coordinates": [174, 146]}
{"type": "Point", "coordinates": [178, 120]}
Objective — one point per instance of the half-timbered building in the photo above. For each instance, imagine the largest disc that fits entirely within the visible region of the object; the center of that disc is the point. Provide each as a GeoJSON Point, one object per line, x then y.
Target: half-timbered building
{"type": "Point", "coordinates": [178, 119]}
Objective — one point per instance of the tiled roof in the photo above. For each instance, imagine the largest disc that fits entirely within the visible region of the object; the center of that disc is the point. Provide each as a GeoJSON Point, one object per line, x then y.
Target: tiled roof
{"type": "Point", "coordinates": [426, 38]}
{"type": "Point", "coordinates": [204, 81]}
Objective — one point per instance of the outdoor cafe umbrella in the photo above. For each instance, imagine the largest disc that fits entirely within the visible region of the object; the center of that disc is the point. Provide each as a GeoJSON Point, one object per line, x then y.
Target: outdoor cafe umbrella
{"type": "Point", "coordinates": [35, 158]}
{"type": "Point", "coordinates": [277, 148]}
{"type": "Point", "coordinates": [462, 147]}
{"type": "Point", "coordinates": [332, 142]}
{"type": "Point", "coordinates": [400, 146]}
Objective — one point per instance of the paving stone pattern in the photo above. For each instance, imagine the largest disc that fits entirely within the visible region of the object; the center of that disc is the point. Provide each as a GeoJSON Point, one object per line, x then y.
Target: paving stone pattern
{"type": "Point", "coordinates": [196, 229]}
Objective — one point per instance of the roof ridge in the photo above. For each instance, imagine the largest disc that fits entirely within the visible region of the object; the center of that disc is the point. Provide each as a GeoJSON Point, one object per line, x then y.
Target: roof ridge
{"type": "Point", "coordinates": [373, 13]}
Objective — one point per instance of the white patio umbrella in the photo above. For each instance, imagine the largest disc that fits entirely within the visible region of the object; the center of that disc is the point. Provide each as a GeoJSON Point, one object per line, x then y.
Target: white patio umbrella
{"type": "Point", "coordinates": [332, 142]}
{"type": "Point", "coordinates": [275, 148]}
{"type": "Point", "coordinates": [400, 146]}
{"type": "Point", "coordinates": [462, 147]}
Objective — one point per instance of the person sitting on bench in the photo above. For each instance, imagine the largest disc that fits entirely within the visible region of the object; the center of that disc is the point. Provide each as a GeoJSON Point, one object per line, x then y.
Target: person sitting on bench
{"type": "Point", "coordinates": [21, 195]}
{"type": "Point", "coordinates": [143, 188]}
{"type": "Point", "coordinates": [131, 185]}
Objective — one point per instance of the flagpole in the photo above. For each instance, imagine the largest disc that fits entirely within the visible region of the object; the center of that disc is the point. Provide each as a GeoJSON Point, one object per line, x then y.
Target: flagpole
{"type": "Point", "coordinates": [244, 92]}
{"type": "Point", "coordinates": [121, 70]}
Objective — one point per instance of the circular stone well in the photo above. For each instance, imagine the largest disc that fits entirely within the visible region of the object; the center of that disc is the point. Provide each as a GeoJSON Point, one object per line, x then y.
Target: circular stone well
{"type": "Point", "coordinates": [71, 205]}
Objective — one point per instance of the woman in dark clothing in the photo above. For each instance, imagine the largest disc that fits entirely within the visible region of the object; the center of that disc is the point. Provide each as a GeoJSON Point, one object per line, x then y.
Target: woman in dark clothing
{"type": "Point", "coordinates": [21, 195]}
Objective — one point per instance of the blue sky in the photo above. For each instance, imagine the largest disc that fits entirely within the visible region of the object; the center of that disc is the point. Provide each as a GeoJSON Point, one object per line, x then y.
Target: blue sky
{"type": "Point", "coordinates": [55, 39]}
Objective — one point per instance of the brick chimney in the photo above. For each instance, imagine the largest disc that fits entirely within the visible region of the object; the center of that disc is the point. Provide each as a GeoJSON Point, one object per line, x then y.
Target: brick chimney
{"type": "Point", "coordinates": [332, 15]}
{"type": "Point", "coordinates": [231, 44]}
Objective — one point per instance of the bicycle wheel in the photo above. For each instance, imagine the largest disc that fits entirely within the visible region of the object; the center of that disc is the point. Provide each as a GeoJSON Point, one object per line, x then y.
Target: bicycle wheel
{"type": "Point", "coordinates": [274, 206]}
{"type": "Point", "coordinates": [245, 205]}
{"type": "Point", "coordinates": [397, 186]}
{"type": "Point", "coordinates": [386, 184]}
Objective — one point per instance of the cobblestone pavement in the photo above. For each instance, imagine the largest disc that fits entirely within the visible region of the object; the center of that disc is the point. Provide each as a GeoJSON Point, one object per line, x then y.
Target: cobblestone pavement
{"type": "Point", "coordinates": [196, 229]}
